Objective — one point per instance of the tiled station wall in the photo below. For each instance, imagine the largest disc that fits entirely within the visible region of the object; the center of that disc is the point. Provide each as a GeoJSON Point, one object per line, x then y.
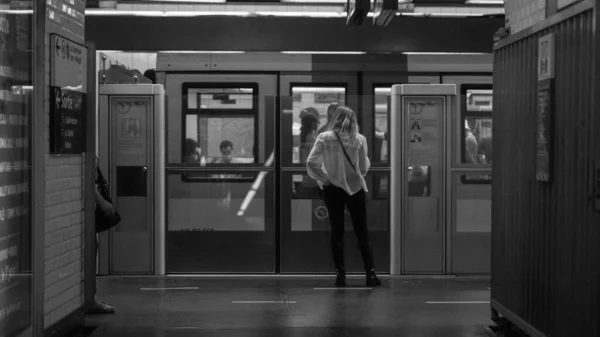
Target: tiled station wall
{"type": "Point", "coordinates": [64, 214]}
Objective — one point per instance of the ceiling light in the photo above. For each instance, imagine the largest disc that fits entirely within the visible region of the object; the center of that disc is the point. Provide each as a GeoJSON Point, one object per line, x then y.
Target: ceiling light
{"type": "Point", "coordinates": [202, 52]}
{"type": "Point", "coordinates": [485, 2]}
{"type": "Point", "coordinates": [439, 14]}
{"type": "Point", "coordinates": [326, 52]}
{"type": "Point", "coordinates": [205, 13]}
{"type": "Point", "coordinates": [455, 14]}
{"type": "Point", "coordinates": [193, 1]}
{"type": "Point", "coordinates": [16, 11]}
{"type": "Point", "coordinates": [410, 13]}
{"type": "Point", "coordinates": [318, 89]}
{"type": "Point", "coordinates": [441, 53]}
{"type": "Point", "coordinates": [304, 14]}
{"type": "Point", "coordinates": [162, 14]}
{"type": "Point", "coordinates": [334, 1]}
{"type": "Point", "coordinates": [318, 1]}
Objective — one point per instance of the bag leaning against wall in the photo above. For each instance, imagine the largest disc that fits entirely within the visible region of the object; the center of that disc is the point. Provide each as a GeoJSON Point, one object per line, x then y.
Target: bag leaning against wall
{"type": "Point", "coordinates": [105, 220]}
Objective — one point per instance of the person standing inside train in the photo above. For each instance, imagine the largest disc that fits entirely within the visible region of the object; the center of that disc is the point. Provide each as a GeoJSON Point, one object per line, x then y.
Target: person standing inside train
{"type": "Point", "coordinates": [330, 112]}
{"type": "Point", "coordinates": [339, 161]}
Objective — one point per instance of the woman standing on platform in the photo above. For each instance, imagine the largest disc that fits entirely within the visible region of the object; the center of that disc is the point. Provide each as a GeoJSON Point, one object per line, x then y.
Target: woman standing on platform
{"type": "Point", "coordinates": [339, 162]}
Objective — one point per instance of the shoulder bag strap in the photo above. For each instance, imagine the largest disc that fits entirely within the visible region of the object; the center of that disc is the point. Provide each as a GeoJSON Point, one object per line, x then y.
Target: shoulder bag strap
{"type": "Point", "coordinates": [345, 153]}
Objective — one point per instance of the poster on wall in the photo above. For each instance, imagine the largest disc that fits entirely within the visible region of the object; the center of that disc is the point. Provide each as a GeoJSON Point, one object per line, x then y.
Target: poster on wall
{"type": "Point", "coordinates": [67, 121]}
{"type": "Point", "coordinates": [544, 132]}
{"type": "Point", "coordinates": [545, 109]}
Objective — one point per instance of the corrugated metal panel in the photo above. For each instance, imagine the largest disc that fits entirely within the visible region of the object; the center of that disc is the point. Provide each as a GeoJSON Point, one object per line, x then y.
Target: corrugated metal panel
{"type": "Point", "coordinates": [546, 237]}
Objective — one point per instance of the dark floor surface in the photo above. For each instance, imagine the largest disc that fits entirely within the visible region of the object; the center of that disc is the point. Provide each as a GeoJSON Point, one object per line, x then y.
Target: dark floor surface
{"type": "Point", "coordinates": [293, 308]}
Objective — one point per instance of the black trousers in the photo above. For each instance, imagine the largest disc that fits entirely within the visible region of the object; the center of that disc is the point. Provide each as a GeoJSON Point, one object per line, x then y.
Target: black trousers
{"type": "Point", "coordinates": [336, 200]}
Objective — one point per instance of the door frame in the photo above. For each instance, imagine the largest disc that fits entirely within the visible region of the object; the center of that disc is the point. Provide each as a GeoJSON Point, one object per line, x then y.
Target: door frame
{"type": "Point", "coordinates": [266, 98]}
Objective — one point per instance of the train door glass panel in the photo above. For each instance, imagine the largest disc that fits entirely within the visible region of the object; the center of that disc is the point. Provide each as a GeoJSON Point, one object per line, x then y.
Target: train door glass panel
{"type": "Point", "coordinates": [220, 126]}
{"type": "Point", "coordinates": [381, 144]}
{"type": "Point", "coordinates": [306, 243]}
{"type": "Point", "coordinates": [423, 233]}
{"type": "Point", "coordinates": [221, 201]}
{"type": "Point", "coordinates": [305, 235]}
{"type": "Point", "coordinates": [477, 127]}
{"type": "Point", "coordinates": [471, 182]}
{"type": "Point", "coordinates": [471, 209]}
{"type": "Point", "coordinates": [131, 120]}
{"type": "Point", "coordinates": [309, 115]}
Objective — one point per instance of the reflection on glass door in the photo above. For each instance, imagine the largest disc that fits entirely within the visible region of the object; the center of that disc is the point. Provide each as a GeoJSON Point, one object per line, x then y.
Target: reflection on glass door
{"type": "Point", "coordinates": [477, 131]}
{"type": "Point", "coordinates": [312, 107]}
{"type": "Point", "coordinates": [16, 112]}
{"type": "Point", "coordinates": [471, 204]}
{"type": "Point", "coordinates": [305, 232]}
{"type": "Point", "coordinates": [381, 145]}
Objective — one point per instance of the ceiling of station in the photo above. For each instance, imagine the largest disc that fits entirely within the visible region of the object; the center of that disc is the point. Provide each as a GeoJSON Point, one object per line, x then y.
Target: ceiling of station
{"type": "Point", "coordinates": [287, 8]}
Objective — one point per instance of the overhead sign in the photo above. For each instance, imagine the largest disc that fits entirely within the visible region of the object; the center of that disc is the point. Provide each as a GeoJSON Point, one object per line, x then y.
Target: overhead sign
{"type": "Point", "coordinates": [66, 17]}
{"type": "Point", "coordinates": [68, 64]}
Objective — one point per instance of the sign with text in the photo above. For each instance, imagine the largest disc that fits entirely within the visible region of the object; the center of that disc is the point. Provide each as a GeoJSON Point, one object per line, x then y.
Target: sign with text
{"type": "Point", "coordinates": [66, 17]}
{"type": "Point", "coordinates": [67, 121]}
{"type": "Point", "coordinates": [546, 57]}
{"type": "Point", "coordinates": [68, 64]}
{"type": "Point", "coordinates": [544, 132]}
{"type": "Point", "coordinates": [545, 108]}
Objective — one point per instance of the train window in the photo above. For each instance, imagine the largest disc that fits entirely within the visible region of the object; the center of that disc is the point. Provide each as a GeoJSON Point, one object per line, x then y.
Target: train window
{"type": "Point", "coordinates": [220, 124]}
{"type": "Point", "coordinates": [310, 114]}
{"type": "Point", "coordinates": [219, 140]}
{"type": "Point", "coordinates": [477, 127]}
{"type": "Point", "coordinates": [381, 146]}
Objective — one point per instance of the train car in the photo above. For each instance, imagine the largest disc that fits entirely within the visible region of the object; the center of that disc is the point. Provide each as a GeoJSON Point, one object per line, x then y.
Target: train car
{"type": "Point", "coordinates": [237, 197]}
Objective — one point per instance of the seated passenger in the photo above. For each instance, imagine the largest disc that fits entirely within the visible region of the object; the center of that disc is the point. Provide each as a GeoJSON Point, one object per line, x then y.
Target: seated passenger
{"type": "Point", "coordinates": [471, 146]}
{"type": "Point", "coordinates": [192, 152]}
{"type": "Point", "coordinates": [226, 149]}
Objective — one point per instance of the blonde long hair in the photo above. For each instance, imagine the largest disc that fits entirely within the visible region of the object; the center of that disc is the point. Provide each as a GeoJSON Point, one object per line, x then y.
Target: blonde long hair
{"type": "Point", "coordinates": [344, 120]}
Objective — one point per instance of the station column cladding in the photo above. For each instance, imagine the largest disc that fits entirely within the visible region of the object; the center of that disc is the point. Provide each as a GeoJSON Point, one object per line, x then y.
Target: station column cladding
{"type": "Point", "coordinates": [64, 183]}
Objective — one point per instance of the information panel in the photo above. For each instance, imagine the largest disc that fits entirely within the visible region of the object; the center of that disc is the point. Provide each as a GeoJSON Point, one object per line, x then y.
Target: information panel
{"type": "Point", "coordinates": [545, 108]}
{"type": "Point", "coordinates": [544, 136]}
{"type": "Point", "coordinates": [67, 121]}
{"type": "Point", "coordinates": [67, 101]}
{"type": "Point", "coordinates": [15, 170]}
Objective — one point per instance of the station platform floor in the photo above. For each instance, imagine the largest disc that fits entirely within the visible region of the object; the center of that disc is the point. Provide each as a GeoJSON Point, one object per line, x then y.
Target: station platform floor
{"type": "Point", "coordinates": [292, 306]}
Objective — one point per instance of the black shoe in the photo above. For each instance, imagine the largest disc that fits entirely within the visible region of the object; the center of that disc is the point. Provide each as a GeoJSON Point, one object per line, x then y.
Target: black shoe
{"type": "Point", "coordinates": [100, 308]}
{"type": "Point", "coordinates": [340, 279]}
{"type": "Point", "coordinates": [373, 280]}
